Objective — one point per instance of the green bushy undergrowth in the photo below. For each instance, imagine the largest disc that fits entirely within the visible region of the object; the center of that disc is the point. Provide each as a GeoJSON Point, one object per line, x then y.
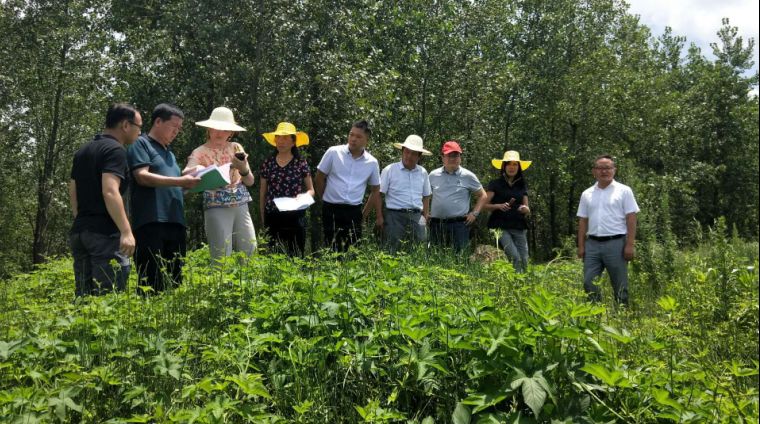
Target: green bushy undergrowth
{"type": "Point", "coordinates": [377, 338]}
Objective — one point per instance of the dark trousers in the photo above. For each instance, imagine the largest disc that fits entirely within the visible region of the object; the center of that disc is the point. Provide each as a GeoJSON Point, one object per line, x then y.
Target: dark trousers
{"type": "Point", "coordinates": [448, 233]}
{"type": "Point", "coordinates": [99, 268]}
{"type": "Point", "coordinates": [160, 253]}
{"type": "Point", "coordinates": [342, 225]}
{"type": "Point", "coordinates": [287, 231]}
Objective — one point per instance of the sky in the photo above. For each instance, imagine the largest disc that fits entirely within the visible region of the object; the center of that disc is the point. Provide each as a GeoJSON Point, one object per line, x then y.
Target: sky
{"type": "Point", "coordinates": [699, 20]}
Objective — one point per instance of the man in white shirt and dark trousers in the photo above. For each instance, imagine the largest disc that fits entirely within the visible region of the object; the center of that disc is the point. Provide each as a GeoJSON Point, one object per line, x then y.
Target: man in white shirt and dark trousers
{"type": "Point", "coordinates": [450, 214]}
{"type": "Point", "coordinates": [343, 175]}
{"type": "Point", "coordinates": [606, 230]}
{"type": "Point", "coordinates": [407, 195]}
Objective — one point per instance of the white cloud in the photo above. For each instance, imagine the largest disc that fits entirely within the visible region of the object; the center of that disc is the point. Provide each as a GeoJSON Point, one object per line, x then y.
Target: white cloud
{"type": "Point", "coordinates": [699, 20]}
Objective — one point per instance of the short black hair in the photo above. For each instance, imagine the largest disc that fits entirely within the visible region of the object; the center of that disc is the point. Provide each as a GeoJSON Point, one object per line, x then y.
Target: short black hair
{"type": "Point", "coordinates": [119, 112]}
{"type": "Point", "coordinates": [363, 125]}
{"type": "Point", "coordinates": [604, 156]}
{"type": "Point", "coordinates": [165, 111]}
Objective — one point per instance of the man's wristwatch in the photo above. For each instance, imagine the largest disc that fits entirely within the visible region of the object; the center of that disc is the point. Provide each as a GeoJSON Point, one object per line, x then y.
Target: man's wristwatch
{"type": "Point", "coordinates": [475, 213]}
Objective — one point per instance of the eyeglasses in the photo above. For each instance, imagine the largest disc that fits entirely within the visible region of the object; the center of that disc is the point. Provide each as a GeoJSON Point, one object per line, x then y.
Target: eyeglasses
{"type": "Point", "coordinates": [133, 123]}
{"type": "Point", "coordinates": [604, 168]}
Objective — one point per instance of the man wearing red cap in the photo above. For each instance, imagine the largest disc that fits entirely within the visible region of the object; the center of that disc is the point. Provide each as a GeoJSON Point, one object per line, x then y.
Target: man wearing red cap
{"type": "Point", "coordinates": [450, 213]}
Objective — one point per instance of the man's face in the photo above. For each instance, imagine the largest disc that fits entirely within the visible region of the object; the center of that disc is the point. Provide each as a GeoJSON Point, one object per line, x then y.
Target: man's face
{"type": "Point", "coordinates": [604, 171]}
{"type": "Point", "coordinates": [357, 140]}
{"type": "Point", "coordinates": [166, 131]}
{"type": "Point", "coordinates": [452, 161]}
{"type": "Point", "coordinates": [134, 128]}
{"type": "Point", "coordinates": [409, 158]}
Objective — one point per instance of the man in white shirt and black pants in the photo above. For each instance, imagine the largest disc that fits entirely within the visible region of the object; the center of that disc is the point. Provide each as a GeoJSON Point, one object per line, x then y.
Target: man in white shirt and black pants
{"type": "Point", "coordinates": [343, 175]}
{"type": "Point", "coordinates": [606, 230]}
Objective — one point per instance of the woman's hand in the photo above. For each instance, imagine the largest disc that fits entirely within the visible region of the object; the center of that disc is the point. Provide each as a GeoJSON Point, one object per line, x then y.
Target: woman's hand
{"type": "Point", "coordinates": [240, 164]}
{"type": "Point", "coordinates": [523, 209]}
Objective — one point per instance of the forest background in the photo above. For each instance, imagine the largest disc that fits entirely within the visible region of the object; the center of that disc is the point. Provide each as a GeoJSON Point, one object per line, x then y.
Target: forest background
{"type": "Point", "coordinates": [559, 81]}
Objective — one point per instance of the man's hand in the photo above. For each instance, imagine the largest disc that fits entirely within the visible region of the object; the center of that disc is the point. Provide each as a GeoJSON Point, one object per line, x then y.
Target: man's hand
{"type": "Point", "coordinates": [470, 218]}
{"type": "Point", "coordinates": [379, 222]}
{"type": "Point", "coordinates": [127, 244]}
{"type": "Point", "coordinates": [581, 252]}
{"type": "Point", "coordinates": [629, 252]}
{"type": "Point", "coordinates": [188, 181]}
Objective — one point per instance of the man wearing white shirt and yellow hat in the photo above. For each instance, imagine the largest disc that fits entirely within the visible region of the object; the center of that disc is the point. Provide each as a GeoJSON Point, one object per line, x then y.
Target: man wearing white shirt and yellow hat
{"type": "Point", "coordinates": [407, 192]}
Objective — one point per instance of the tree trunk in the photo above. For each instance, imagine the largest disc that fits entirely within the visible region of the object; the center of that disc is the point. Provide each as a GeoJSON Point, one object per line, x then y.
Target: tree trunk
{"type": "Point", "coordinates": [45, 176]}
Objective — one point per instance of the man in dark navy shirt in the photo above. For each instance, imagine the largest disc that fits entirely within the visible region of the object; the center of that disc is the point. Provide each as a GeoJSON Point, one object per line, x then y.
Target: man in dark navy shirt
{"type": "Point", "coordinates": [101, 232]}
{"type": "Point", "coordinates": [157, 203]}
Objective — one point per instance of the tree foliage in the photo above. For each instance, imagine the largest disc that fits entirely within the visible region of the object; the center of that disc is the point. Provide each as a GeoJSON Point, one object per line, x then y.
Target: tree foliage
{"type": "Point", "coordinates": [558, 81]}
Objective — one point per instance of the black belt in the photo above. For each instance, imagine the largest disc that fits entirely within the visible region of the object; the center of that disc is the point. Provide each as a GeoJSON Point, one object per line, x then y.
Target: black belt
{"type": "Point", "coordinates": [341, 205]}
{"type": "Point", "coordinates": [606, 238]}
{"type": "Point", "coordinates": [448, 220]}
{"type": "Point", "coordinates": [404, 210]}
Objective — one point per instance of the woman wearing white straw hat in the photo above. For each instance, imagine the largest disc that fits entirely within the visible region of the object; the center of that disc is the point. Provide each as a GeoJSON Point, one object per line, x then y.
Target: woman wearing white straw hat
{"type": "Point", "coordinates": [507, 200]}
{"type": "Point", "coordinates": [285, 174]}
{"type": "Point", "coordinates": [227, 220]}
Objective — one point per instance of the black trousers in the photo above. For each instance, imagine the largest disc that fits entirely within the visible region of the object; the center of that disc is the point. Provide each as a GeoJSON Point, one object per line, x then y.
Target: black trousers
{"type": "Point", "coordinates": [161, 248]}
{"type": "Point", "coordinates": [287, 231]}
{"type": "Point", "coordinates": [342, 225]}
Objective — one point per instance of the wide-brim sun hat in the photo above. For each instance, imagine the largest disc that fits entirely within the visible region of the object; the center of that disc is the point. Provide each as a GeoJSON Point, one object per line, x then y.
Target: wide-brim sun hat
{"type": "Point", "coordinates": [286, 128]}
{"type": "Point", "coordinates": [413, 142]}
{"type": "Point", "coordinates": [221, 119]}
{"type": "Point", "coordinates": [511, 156]}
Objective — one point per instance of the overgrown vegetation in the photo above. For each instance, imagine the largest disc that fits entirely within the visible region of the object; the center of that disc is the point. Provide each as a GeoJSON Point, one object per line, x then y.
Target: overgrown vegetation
{"type": "Point", "coordinates": [375, 338]}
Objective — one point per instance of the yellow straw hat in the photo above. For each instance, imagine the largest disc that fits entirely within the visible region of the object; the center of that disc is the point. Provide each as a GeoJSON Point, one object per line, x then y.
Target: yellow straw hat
{"type": "Point", "coordinates": [286, 128]}
{"type": "Point", "coordinates": [511, 156]}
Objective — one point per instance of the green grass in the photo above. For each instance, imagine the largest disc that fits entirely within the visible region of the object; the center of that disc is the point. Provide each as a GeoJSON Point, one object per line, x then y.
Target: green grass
{"type": "Point", "coordinates": [373, 338]}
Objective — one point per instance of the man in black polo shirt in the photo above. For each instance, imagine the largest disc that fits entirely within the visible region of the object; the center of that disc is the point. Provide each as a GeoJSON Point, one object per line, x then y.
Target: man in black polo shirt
{"type": "Point", "coordinates": [157, 203]}
{"type": "Point", "coordinates": [101, 232]}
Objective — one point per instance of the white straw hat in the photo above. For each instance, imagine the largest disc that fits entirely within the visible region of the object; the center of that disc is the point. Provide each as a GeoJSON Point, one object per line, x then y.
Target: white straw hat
{"type": "Point", "coordinates": [221, 119]}
{"type": "Point", "coordinates": [413, 142]}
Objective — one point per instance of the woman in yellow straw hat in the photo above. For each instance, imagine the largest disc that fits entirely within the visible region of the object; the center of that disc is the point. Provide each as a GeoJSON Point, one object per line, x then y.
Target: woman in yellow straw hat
{"type": "Point", "coordinates": [285, 174]}
{"type": "Point", "coordinates": [227, 221]}
{"type": "Point", "coordinates": [507, 200]}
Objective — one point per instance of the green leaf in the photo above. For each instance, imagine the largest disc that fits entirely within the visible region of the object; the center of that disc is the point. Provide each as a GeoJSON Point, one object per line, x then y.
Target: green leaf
{"type": "Point", "coordinates": [613, 378]}
{"type": "Point", "coordinates": [667, 303]}
{"type": "Point", "coordinates": [533, 395]}
{"type": "Point", "coordinates": [461, 414]}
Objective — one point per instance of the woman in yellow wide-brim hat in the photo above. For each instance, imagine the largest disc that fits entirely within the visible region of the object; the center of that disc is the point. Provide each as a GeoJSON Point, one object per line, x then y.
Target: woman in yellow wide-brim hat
{"type": "Point", "coordinates": [507, 200]}
{"type": "Point", "coordinates": [285, 174]}
{"type": "Point", "coordinates": [227, 221]}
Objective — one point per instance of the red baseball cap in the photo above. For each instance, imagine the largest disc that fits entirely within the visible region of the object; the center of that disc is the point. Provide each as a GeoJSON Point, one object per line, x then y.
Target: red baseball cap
{"type": "Point", "coordinates": [450, 146]}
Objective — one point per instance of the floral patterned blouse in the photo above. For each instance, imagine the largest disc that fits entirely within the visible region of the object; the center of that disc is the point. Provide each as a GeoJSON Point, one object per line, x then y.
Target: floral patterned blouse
{"type": "Point", "coordinates": [236, 193]}
{"type": "Point", "coordinates": [283, 181]}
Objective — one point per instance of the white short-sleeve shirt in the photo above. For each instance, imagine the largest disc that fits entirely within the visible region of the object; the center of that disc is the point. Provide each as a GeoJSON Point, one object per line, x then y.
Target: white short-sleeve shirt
{"type": "Point", "coordinates": [404, 188]}
{"type": "Point", "coordinates": [348, 177]}
{"type": "Point", "coordinates": [607, 208]}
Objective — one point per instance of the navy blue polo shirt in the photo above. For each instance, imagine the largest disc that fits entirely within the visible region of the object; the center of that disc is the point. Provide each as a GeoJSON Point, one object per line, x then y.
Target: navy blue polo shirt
{"type": "Point", "coordinates": [155, 204]}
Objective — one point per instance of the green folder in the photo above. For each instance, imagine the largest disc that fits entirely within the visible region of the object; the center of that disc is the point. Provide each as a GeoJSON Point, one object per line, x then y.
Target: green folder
{"type": "Point", "coordinates": [212, 177]}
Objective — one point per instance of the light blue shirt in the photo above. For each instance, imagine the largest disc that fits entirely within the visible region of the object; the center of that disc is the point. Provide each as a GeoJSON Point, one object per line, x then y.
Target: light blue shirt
{"type": "Point", "coordinates": [451, 192]}
{"type": "Point", "coordinates": [348, 177]}
{"type": "Point", "coordinates": [404, 188]}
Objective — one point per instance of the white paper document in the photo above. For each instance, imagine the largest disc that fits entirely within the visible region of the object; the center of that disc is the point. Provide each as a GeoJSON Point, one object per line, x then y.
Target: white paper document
{"type": "Point", "coordinates": [302, 201]}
